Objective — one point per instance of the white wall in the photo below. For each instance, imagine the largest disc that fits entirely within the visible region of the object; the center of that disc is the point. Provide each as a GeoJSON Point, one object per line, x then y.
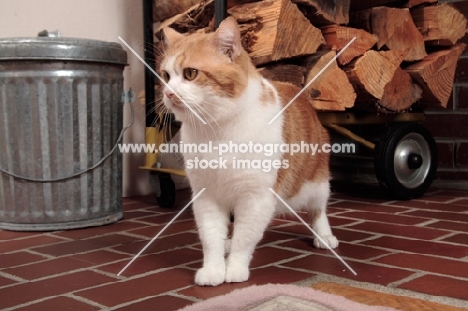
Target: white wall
{"type": "Point", "coordinates": [92, 19]}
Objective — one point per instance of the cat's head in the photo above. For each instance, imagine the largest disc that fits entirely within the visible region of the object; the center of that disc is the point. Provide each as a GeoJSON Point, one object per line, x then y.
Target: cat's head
{"type": "Point", "coordinates": [205, 73]}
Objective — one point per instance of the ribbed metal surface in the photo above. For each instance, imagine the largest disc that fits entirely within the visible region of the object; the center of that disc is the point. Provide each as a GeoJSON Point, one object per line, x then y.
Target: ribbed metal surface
{"type": "Point", "coordinates": [47, 48]}
{"type": "Point", "coordinates": [56, 119]}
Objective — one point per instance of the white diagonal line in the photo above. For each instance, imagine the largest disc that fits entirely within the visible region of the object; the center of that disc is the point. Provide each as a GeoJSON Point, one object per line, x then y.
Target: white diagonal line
{"type": "Point", "coordinates": [162, 230]}
{"type": "Point", "coordinates": [162, 80]}
{"type": "Point", "coordinates": [312, 230]}
{"type": "Point", "coordinates": [311, 81]}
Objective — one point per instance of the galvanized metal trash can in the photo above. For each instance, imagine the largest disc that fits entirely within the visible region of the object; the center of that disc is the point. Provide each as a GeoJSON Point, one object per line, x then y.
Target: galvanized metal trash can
{"type": "Point", "coordinates": [60, 114]}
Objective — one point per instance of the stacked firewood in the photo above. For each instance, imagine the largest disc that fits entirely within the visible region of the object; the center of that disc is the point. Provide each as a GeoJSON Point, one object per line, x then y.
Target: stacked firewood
{"type": "Point", "coordinates": [404, 53]}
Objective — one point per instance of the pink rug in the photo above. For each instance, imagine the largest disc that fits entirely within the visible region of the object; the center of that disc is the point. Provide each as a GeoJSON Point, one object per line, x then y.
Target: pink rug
{"type": "Point", "coordinates": [279, 297]}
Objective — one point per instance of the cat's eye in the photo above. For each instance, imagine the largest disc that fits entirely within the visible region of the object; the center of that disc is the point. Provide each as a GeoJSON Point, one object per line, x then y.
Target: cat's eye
{"type": "Point", "coordinates": [165, 76]}
{"type": "Point", "coordinates": [190, 73]}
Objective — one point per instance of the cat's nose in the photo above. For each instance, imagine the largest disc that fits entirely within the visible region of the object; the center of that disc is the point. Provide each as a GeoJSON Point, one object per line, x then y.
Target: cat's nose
{"type": "Point", "coordinates": [168, 94]}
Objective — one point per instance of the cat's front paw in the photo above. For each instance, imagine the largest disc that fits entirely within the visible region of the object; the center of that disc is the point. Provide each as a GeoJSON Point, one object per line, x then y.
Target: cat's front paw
{"type": "Point", "coordinates": [237, 273]}
{"type": "Point", "coordinates": [331, 240]}
{"type": "Point", "coordinates": [210, 276]}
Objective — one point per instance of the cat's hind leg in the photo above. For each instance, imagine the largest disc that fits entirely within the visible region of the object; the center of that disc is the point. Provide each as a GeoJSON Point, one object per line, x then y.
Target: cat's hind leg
{"type": "Point", "coordinates": [252, 216]}
{"type": "Point", "coordinates": [316, 208]}
{"type": "Point", "coordinates": [212, 223]}
{"type": "Point", "coordinates": [322, 228]}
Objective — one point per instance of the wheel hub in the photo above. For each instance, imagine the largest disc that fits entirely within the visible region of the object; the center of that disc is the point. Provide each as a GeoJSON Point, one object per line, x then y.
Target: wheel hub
{"type": "Point", "coordinates": [412, 160]}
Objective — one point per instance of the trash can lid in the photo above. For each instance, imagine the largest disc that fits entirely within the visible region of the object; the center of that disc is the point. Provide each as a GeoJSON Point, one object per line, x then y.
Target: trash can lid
{"type": "Point", "coordinates": [60, 48]}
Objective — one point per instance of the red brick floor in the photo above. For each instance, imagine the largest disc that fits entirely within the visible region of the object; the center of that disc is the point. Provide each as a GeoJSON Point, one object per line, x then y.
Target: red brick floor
{"type": "Point", "coordinates": [419, 245]}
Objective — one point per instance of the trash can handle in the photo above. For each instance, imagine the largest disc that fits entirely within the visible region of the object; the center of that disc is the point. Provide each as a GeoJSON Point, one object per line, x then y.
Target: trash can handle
{"type": "Point", "coordinates": [127, 97]}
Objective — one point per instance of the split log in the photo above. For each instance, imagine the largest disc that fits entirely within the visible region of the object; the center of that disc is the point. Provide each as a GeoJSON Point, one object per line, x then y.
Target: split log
{"type": "Point", "coordinates": [187, 15]}
{"type": "Point", "coordinates": [195, 18]}
{"type": "Point", "coordinates": [285, 73]}
{"type": "Point", "coordinates": [336, 37]}
{"type": "Point", "coordinates": [413, 3]}
{"type": "Point", "coordinates": [359, 5]}
{"type": "Point", "coordinates": [370, 73]}
{"type": "Point", "coordinates": [440, 24]}
{"type": "Point", "coordinates": [325, 12]}
{"type": "Point", "coordinates": [395, 29]}
{"type": "Point", "coordinates": [400, 93]}
{"type": "Point", "coordinates": [163, 10]}
{"type": "Point", "coordinates": [435, 74]}
{"type": "Point", "coordinates": [272, 30]}
{"type": "Point", "coordinates": [331, 89]}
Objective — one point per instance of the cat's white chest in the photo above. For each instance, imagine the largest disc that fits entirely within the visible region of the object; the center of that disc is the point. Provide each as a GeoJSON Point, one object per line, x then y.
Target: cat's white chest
{"type": "Point", "coordinates": [241, 154]}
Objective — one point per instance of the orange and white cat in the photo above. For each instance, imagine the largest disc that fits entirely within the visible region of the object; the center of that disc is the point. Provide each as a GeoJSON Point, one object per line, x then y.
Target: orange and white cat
{"type": "Point", "coordinates": [215, 77]}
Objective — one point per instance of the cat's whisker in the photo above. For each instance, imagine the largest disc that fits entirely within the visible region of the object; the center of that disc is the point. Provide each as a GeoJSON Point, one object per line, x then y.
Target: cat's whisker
{"type": "Point", "coordinates": [151, 111]}
{"type": "Point", "coordinates": [169, 122]}
{"type": "Point", "coordinates": [190, 98]}
{"type": "Point", "coordinates": [154, 49]}
{"type": "Point", "coordinates": [191, 121]}
{"type": "Point", "coordinates": [159, 108]}
{"type": "Point", "coordinates": [139, 117]}
{"type": "Point", "coordinates": [200, 110]}
{"type": "Point", "coordinates": [211, 118]}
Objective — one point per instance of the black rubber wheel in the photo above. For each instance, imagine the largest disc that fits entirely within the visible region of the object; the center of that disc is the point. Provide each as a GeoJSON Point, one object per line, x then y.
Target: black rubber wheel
{"type": "Point", "coordinates": [163, 188]}
{"type": "Point", "coordinates": [406, 160]}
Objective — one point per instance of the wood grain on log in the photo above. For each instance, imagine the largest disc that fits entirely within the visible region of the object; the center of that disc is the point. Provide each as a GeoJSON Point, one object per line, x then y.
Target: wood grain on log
{"type": "Point", "coordinates": [440, 24]}
{"type": "Point", "coordinates": [400, 93]}
{"type": "Point", "coordinates": [325, 12]}
{"type": "Point", "coordinates": [370, 73]}
{"type": "Point", "coordinates": [395, 29]}
{"type": "Point", "coordinates": [336, 37]}
{"type": "Point", "coordinates": [435, 74]}
{"type": "Point", "coordinates": [331, 90]}
{"type": "Point", "coordinates": [273, 30]}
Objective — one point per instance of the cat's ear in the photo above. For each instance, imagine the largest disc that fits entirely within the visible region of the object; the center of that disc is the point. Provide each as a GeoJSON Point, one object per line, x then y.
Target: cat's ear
{"type": "Point", "coordinates": [228, 38]}
{"type": "Point", "coordinates": [171, 36]}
